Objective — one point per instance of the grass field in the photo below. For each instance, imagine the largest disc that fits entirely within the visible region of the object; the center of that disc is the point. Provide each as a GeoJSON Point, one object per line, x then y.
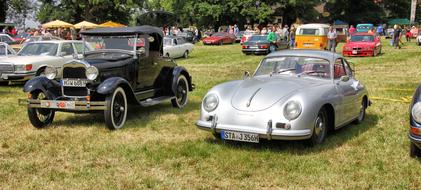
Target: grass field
{"type": "Point", "coordinates": [160, 147]}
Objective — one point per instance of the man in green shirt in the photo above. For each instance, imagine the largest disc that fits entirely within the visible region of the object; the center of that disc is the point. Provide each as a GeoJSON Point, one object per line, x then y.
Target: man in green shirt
{"type": "Point", "coordinates": [272, 39]}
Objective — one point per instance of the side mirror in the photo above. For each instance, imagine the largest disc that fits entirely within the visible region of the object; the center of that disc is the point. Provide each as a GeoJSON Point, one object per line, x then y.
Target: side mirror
{"type": "Point", "coordinates": [246, 75]}
{"type": "Point", "coordinates": [344, 78]}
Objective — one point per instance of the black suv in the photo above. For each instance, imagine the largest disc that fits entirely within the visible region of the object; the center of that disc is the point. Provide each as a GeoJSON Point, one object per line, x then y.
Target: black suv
{"type": "Point", "coordinates": [127, 67]}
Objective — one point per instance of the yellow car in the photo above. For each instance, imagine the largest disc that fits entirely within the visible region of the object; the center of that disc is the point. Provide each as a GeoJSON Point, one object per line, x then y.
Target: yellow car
{"type": "Point", "coordinates": [311, 36]}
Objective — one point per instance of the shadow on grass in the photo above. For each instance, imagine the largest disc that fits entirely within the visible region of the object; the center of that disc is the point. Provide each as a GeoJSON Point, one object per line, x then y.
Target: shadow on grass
{"type": "Point", "coordinates": [144, 114]}
{"type": "Point", "coordinates": [334, 140]}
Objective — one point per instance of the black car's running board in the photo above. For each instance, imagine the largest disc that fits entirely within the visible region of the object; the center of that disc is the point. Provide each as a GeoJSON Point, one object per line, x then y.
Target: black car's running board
{"type": "Point", "coordinates": [154, 101]}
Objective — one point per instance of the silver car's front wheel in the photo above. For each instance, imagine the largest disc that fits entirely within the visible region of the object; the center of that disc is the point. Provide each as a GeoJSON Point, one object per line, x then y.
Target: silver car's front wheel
{"type": "Point", "coordinates": [320, 128]}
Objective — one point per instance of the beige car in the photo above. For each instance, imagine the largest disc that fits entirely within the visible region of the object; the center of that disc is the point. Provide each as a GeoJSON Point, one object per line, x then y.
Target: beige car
{"type": "Point", "coordinates": [36, 56]}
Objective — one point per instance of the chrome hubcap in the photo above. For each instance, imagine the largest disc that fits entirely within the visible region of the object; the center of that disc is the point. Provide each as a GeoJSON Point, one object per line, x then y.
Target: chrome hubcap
{"type": "Point", "coordinates": [319, 126]}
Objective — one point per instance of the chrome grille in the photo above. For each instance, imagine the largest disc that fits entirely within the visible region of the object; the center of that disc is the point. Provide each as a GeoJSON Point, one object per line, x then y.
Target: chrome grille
{"type": "Point", "coordinates": [6, 68]}
{"type": "Point", "coordinates": [74, 72]}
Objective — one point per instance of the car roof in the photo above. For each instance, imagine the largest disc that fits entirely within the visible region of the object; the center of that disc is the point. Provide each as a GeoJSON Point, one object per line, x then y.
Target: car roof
{"type": "Point", "coordinates": [331, 56]}
{"type": "Point", "coordinates": [314, 25]}
{"type": "Point", "coordinates": [56, 41]}
{"type": "Point", "coordinates": [362, 34]}
{"type": "Point", "coordinates": [145, 29]}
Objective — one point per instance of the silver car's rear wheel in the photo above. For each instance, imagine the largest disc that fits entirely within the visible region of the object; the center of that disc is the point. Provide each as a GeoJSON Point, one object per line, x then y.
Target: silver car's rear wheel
{"type": "Point", "coordinates": [361, 115]}
{"type": "Point", "coordinates": [320, 128]}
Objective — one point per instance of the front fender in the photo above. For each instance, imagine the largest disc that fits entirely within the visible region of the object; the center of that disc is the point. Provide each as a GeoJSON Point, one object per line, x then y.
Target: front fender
{"type": "Point", "coordinates": [176, 73]}
{"type": "Point", "coordinates": [40, 83]}
{"type": "Point", "coordinates": [109, 85]}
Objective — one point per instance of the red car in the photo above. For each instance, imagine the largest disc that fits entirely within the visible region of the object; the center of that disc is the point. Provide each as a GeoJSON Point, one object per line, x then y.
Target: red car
{"type": "Point", "coordinates": [362, 44]}
{"type": "Point", "coordinates": [220, 38]}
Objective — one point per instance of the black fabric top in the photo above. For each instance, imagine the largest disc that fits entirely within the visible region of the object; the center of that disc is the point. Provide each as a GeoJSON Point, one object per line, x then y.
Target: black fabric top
{"type": "Point", "coordinates": [124, 31]}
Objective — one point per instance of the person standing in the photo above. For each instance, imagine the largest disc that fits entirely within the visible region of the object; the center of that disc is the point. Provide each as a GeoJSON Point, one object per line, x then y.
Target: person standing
{"type": "Point", "coordinates": [272, 39]}
{"type": "Point", "coordinates": [397, 34]}
{"type": "Point", "coordinates": [331, 36]}
{"type": "Point", "coordinates": [408, 34]}
{"type": "Point", "coordinates": [292, 38]}
{"type": "Point", "coordinates": [351, 30]}
{"type": "Point", "coordinates": [236, 30]}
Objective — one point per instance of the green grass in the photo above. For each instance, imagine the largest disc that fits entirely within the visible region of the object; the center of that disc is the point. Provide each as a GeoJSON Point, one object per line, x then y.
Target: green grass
{"type": "Point", "coordinates": [160, 147]}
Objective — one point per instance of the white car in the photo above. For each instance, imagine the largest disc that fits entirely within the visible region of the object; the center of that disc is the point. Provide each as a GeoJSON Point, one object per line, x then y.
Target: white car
{"type": "Point", "coordinates": [36, 56]}
{"type": "Point", "coordinates": [6, 50]}
{"type": "Point", "coordinates": [175, 47]}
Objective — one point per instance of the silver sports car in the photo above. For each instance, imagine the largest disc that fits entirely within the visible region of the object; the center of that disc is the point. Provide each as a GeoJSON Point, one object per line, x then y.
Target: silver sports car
{"type": "Point", "coordinates": [293, 95]}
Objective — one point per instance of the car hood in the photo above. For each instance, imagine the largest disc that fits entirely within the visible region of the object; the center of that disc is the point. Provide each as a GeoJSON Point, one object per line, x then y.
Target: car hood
{"type": "Point", "coordinates": [260, 93]}
{"type": "Point", "coordinates": [25, 59]}
{"type": "Point", "coordinates": [352, 44]}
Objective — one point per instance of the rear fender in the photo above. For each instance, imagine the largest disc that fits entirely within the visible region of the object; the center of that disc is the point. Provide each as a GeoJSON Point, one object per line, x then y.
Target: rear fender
{"type": "Point", "coordinates": [176, 73]}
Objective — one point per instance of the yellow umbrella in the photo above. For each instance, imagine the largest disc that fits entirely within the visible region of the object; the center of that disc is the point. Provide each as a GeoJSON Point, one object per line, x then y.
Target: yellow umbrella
{"type": "Point", "coordinates": [112, 24]}
{"type": "Point", "coordinates": [57, 24]}
{"type": "Point", "coordinates": [85, 24]}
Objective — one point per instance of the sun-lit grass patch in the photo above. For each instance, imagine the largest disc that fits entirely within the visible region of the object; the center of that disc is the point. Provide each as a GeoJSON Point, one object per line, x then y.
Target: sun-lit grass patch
{"type": "Point", "coordinates": [160, 147]}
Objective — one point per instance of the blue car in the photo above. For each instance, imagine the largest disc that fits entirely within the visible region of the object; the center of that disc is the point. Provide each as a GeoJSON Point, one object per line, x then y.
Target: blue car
{"type": "Point", "coordinates": [364, 27]}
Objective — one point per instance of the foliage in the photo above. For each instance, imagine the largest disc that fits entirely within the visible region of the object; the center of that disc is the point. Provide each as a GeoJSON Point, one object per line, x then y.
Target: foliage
{"type": "Point", "coordinates": [16, 10]}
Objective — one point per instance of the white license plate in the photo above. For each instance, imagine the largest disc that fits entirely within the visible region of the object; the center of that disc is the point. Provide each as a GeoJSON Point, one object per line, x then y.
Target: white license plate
{"type": "Point", "coordinates": [240, 136]}
{"type": "Point", "coordinates": [354, 52]}
{"type": "Point", "coordinates": [58, 104]}
{"type": "Point", "coordinates": [74, 82]}
{"type": "Point", "coordinates": [253, 47]}
{"type": "Point", "coordinates": [308, 44]}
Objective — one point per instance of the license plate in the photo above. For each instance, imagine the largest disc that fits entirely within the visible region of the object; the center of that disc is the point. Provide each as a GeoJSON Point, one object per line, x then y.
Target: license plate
{"type": "Point", "coordinates": [308, 44]}
{"type": "Point", "coordinates": [354, 52]}
{"type": "Point", "coordinates": [253, 47]}
{"type": "Point", "coordinates": [58, 104]}
{"type": "Point", "coordinates": [240, 136]}
{"type": "Point", "coordinates": [74, 82]}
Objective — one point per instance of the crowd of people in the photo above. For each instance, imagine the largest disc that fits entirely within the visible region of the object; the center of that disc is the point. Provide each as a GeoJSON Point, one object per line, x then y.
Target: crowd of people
{"type": "Point", "coordinates": [63, 33]}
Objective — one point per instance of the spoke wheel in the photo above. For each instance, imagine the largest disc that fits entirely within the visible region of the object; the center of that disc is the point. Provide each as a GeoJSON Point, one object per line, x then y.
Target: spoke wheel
{"type": "Point", "coordinates": [181, 93]}
{"type": "Point", "coordinates": [320, 128]}
{"type": "Point", "coordinates": [40, 117]}
{"type": "Point", "coordinates": [116, 113]}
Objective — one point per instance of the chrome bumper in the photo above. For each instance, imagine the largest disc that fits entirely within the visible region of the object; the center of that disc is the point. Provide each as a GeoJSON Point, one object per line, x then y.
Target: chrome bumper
{"type": "Point", "coordinates": [415, 140]}
{"type": "Point", "coordinates": [16, 76]}
{"type": "Point", "coordinates": [269, 133]}
{"type": "Point", "coordinates": [79, 105]}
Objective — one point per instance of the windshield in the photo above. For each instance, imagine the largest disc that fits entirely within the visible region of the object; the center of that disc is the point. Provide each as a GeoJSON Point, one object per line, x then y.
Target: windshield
{"type": "Point", "coordinates": [307, 66]}
{"type": "Point", "coordinates": [364, 27]}
{"type": "Point", "coordinates": [114, 42]}
{"type": "Point", "coordinates": [362, 38]}
{"type": "Point", "coordinates": [39, 49]}
{"type": "Point", "coordinates": [218, 34]}
{"type": "Point", "coordinates": [167, 41]}
{"type": "Point", "coordinates": [258, 38]}
{"type": "Point", "coordinates": [309, 31]}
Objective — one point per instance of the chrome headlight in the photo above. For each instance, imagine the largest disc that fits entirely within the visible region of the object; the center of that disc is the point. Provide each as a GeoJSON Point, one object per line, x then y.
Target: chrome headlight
{"type": "Point", "coordinates": [91, 73]}
{"type": "Point", "coordinates": [416, 112]}
{"type": "Point", "coordinates": [210, 102]}
{"type": "Point", "coordinates": [292, 110]}
{"type": "Point", "coordinates": [50, 72]}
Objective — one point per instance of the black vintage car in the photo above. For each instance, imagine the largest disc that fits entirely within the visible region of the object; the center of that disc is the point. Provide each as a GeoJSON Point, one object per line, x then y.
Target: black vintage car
{"type": "Point", "coordinates": [415, 124]}
{"type": "Point", "coordinates": [127, 67]}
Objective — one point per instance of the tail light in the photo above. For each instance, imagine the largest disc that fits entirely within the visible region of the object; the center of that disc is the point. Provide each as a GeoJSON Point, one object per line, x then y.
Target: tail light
{"type": "Point", "coordinates": [245, 47]}
{"type": "Point", "coordinates": [263, 46]}
{"type": "Point", "coordinates": [416, 131]}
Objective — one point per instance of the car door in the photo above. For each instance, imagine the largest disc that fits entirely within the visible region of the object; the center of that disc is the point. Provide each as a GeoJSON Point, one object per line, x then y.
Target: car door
{"type": "Point", "coordinates": [357, 87]}
{"type": "Point", "coordinates": [176, 48]}
{"type": "Point", "coordinates": [344, 86]}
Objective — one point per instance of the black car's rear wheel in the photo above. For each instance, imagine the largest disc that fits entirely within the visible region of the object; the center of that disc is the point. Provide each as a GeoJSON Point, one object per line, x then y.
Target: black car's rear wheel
{"type": "Point", "coordinates": [320, 128]}
{"type": "Point", "coordinates": [40, 117]}
{"type": "Point", "coordinates": [181, 92]}
{"type": "Point", "coordinates": [414, 151]}
{"type": "Point", "coordinates": [116, 113]}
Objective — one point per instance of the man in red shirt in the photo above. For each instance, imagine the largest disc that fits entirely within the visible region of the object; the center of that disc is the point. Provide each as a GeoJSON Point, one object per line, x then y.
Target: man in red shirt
{"type": "Point", "coordinates": [351, 30]}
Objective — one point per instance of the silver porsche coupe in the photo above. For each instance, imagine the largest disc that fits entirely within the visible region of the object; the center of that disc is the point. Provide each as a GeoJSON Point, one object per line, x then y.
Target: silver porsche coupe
{"type": "Point", "coordinates": [292, 95]}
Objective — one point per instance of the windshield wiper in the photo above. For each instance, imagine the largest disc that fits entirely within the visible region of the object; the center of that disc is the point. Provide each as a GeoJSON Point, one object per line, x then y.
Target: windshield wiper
{"type": "Point", "coordinates": [285, 70]}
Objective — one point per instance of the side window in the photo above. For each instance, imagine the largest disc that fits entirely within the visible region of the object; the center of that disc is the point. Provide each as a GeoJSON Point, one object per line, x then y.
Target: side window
{"type": "Point", "coordinates": [79, 48]}
{"type": "Point", "coordinates": [338, 69]}
{"type": "Point", "coordinates": [175, 42]}
{"type": "Point", "coordinates": [348, 68]}
{"type": "Point", "coordinates": [67, 49]}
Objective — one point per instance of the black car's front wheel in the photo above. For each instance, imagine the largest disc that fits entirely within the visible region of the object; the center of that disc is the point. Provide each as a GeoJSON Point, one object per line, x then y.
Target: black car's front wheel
{"type": "Point", "coordinates": [116, 111]}
{"type": "Point", "coordinates": [40, 117]}
{"type": "Point", "coordinates": [181, 92]}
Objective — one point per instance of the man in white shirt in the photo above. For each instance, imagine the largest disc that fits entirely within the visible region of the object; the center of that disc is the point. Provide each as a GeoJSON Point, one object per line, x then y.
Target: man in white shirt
{"type": "Point", "coordinates": [331, 36]}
